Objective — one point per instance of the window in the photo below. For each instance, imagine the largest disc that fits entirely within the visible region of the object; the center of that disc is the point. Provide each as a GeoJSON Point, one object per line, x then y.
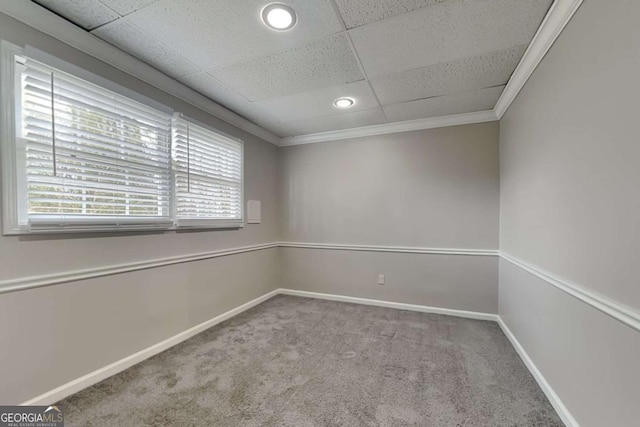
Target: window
{"type": "Point", "coordinates": [78, 156]}
{"type": "Point", "coordinates": [89, 156]}
{"type": "Point", "coordinates": [208, 176]}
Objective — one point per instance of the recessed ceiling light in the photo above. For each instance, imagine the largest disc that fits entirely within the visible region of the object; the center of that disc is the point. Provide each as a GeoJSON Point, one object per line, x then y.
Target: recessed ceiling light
{"type": "Point", "coordinates": [278, 16]}
{"type": "Point", "coordinates": [343, 102]}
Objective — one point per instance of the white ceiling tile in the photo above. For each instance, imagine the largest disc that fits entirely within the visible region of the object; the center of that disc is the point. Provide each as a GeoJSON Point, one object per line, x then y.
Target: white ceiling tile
{"type": "Point", "coordinates": [327, 62]}
{"type": "Point", "coordinates": [425, 58]}
{"type": "Point", "coordinates": [208, 86]}
{"type": "Point", "coordinates": [281, 129]}
{"type": "Point", "coordinates": [128, 38]}
{"type": "Point", "coordinates": [217, 33]}
{"type": "Point", "coordinates": [466, 102]}
{"type": "Point", "coordinates": [86, 13]}
{"type": "Point", "coordinates": [471, 73]}
{"type": "Point", "coordinates": [267, 121]}
{"type": "Point", "coordinates": [125, 7]}
{"type": "Point", "coordinates": [445, 32]}
{"type": "Point", "coordinates": [360, 12]}
{"type": "Point", "coordinates": [212, 88]}
{"type": "Point", "coordinates": [369, 117]}
{"type": "Point", "coordinates": [319, 102]}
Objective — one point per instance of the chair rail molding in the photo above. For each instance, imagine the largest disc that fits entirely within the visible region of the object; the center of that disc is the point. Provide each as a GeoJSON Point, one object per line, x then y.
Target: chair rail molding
{"type": "Point", "coordinates": [23, 283]}
{"type": "Point", "coordinates": [399, 249]}
{"type": "Point", "coordinates": [614, 309]}
{"type": "Point", "coordinates": [620, 312]}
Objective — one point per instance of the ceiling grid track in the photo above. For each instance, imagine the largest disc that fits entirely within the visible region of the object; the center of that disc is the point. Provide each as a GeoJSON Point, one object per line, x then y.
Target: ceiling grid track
{"type": "Point", "coordinates": [405, 44]}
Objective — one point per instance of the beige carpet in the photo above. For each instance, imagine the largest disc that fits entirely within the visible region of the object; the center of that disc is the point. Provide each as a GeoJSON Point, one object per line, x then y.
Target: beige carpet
{"type": "Point", "coordinates": [304, 362]}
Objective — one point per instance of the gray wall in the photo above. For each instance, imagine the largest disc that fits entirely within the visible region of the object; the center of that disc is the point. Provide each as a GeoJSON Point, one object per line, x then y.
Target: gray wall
{"type": "Point", "coordinates": [435, 188]}
{"type": "Point", "coordinates": [566, 191]}
{"type": "Point", "coordinates": [457, 282]}
{"type": "Point", "coordinates": [570, 204]}
{"type": "Point", "coordinates": [589, 359]}
{"type": "Point", "coordinates": [56, 334]}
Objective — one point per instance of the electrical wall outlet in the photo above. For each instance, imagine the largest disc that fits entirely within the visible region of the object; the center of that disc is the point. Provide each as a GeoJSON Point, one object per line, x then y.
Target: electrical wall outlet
{"type": "Point", "coordinates": [380, 279]}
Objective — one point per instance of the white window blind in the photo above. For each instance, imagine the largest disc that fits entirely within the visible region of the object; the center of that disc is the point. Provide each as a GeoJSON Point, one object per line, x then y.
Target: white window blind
{"type": "Point", "coordinates": [80, 153]}
{"type": "Point", "coordinates": [208, 170]}
{"type": "Point", "coordinates": [91, 157]}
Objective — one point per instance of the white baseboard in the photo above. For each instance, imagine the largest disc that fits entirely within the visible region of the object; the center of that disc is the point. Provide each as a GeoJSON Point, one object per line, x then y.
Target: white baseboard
{"type": "Point", "coordinates": [103, 373]}
{"type": "Point", "coordinates": [398, 305]}
{"type": "Point", "coordinates": [98, 375]}
{"type": "Point", "coordinates": [554, 399]}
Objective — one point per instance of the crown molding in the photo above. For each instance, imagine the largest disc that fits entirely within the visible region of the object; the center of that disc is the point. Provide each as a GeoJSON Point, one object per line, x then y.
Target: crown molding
{"type": "Point", "coordinates": [406, 126]}
{"type": "Point", "coordinates": [51, 24]}
{"type": "Point", "coordinates": [554, 22]}
{"type": "Point", "coordinates": [557, 18]}
{"type": "Point", "coordinates": [40, 18]}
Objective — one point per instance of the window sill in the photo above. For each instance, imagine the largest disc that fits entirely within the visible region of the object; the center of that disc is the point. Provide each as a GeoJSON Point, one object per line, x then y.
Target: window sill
{"type": "Point", "coordinates": [71, 229]}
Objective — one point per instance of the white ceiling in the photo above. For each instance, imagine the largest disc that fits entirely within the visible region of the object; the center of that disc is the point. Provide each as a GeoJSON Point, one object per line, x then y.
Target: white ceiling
{"type": "Point", "coordinates": [400, 59]}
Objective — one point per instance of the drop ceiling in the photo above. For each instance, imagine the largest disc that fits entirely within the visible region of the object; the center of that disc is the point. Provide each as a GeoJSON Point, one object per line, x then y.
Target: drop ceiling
{"type": "Point", "coordinates": [400, 60]}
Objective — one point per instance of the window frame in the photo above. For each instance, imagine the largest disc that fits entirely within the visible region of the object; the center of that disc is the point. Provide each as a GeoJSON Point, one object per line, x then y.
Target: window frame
{"type": "Point", "coordinates": [8, 147]}
{"type": "Point", "coordinates": [13, 174]}
{"type": "Point", "coordinates": [192, 223]}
